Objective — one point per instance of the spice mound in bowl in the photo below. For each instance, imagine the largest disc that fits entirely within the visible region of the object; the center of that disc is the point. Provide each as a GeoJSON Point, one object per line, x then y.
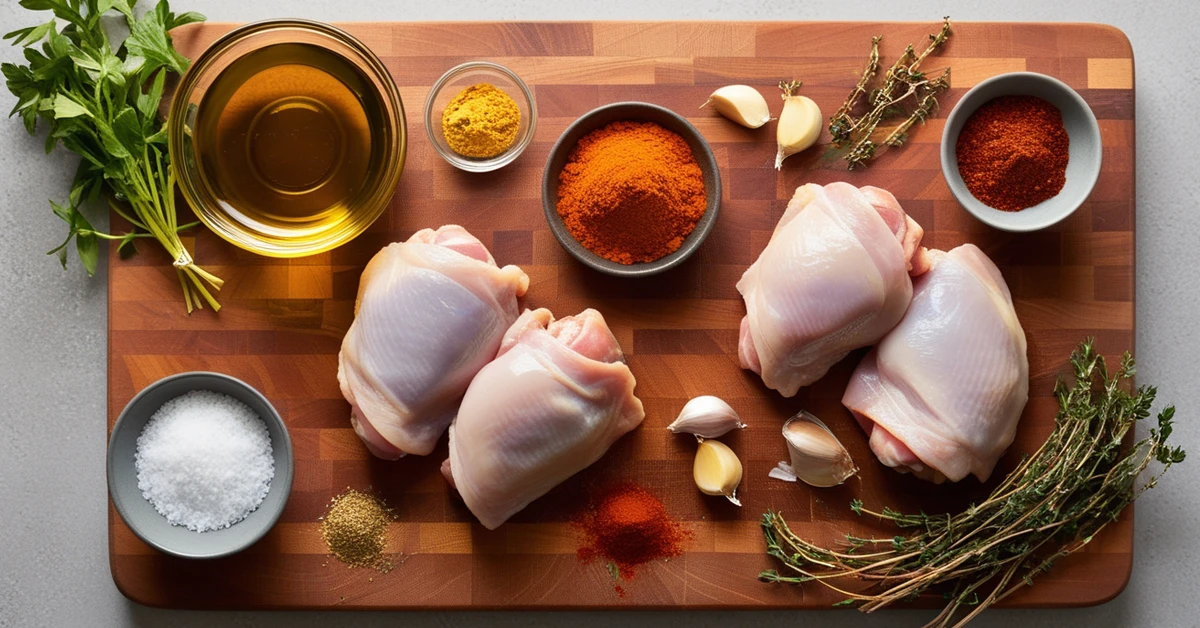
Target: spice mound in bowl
{"type": "Point", "coordinates": [1013, 152]}
{"type": "Point", "coordinates": [1021, 151]}
{"type": "Point", "coordinates": [204, 460]}
{"type": "Point", "coordinates": [481, 121]}
{"type": "Point", "coordinates": [631, 192]}
{"type": "Point", "coordinates": [631, 189]}
{"type": "Point", "coordinates": [199, 465]}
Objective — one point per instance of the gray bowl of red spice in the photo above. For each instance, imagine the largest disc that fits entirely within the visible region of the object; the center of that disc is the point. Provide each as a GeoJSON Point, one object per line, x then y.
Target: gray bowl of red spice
{"type": "Point", "coordinates": [1021, 151]}
{"type": "Point", "coordinates": [631, 189]}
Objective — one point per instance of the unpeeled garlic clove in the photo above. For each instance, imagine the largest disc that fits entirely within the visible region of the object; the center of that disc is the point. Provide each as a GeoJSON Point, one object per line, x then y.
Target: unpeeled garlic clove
{"type": "Point", "coordinates": [742, 104]}
{"type": "Point", "coordinates": [706, 416]}
{"type": "Point", "coordinates": [717, 470]}
{"type": "Point", "coordinates": [799, 125]}
{"type": "Point", "coordinates": [818, 458]}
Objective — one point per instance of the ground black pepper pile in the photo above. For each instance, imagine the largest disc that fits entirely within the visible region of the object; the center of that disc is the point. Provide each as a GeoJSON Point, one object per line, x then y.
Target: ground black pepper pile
{"type": "Point", "coordinates": [355, 530]}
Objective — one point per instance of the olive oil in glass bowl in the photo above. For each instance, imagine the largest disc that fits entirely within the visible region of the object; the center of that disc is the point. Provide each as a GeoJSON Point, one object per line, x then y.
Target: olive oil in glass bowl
{"type": "Point", "coordinates": [288, 137]}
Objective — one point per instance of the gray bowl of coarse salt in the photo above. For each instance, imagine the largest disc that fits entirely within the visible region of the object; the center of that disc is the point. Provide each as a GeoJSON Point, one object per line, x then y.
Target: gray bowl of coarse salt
{"type": "Point", "coordinates": [199, 465]}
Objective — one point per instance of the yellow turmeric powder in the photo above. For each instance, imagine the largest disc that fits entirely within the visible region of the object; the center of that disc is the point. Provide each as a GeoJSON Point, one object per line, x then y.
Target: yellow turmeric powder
{"type": "Point", "coordinates": [481, 122]}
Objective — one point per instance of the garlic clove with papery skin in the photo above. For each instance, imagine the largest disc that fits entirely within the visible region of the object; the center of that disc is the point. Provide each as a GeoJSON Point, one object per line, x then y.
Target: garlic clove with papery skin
{"type": "Point", "coordinates": [799, 125]}
{"type": "Point", "coordinates": [742, 104]}
{"type": "Point", "coordinates": [818, 458]}
{"type": "Point", "coordinates": [706, 416]}
{"type": "Point", "coordinates": [717, 470]}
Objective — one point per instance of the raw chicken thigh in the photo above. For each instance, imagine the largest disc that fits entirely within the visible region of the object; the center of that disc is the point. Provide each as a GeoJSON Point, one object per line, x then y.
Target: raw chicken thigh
{"type": "Point", "coordinates": [552, 403]}
{"type": "Point", "coordinates": [833, 278]}
{"type": "Point", "coordinates": [430, 313]}
{"type": "Point", "coordinates": [941, 394]}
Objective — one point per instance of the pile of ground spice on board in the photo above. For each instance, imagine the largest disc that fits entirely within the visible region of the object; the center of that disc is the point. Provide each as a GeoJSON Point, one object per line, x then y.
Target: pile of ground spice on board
{"type": "Point", "coordinates": [628, 526]}
{"type": "Point", "coordinates": [631, 192]}
{"type": "Point", "coordinates": [1013, 152]}
{"type": "Point", "coordinates": [355, 530]}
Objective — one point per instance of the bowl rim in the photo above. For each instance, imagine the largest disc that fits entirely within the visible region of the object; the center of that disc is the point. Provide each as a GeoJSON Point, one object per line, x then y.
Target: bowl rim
{"type": "Point", "coordinates": [949, 160]}
{"type": "Point", "coordinates": [468, 164]}
{"type": "Point", "coordinates": [285, 485]}
{"type": "Point", "coordinates": [690, 245]}
{"type": "Point", "coordinates": [177, 113]}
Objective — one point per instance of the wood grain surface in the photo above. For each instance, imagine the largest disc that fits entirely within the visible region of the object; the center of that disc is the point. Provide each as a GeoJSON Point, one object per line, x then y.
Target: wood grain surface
{"type": "Point", "coordinates": [283, 321]}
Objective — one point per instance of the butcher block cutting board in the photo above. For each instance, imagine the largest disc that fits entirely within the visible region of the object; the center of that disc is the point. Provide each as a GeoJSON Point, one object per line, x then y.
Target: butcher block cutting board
{"type": "Point", "coordinates": [283, 321]}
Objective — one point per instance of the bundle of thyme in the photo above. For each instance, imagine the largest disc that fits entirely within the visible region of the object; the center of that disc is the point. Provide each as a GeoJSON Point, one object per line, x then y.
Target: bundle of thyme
{"type": "Point", "coordinates": [1052, 505]}
{"type": "Point", "coordinates": [904, 81]}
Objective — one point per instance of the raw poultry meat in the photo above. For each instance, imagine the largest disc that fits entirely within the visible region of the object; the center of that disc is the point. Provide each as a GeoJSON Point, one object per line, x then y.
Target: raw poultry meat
{"type": "Point", "coordinates": [430, 313]}
{"type": "Point", "coordinates": [941, 394]}
{"type": "Point", "coordinates": [555, 399]}
{"type": "Point", "coordinates": [835, 277]}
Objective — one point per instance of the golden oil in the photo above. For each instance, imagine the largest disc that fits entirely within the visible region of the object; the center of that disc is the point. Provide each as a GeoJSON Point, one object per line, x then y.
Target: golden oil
{"type": "Point", "coordinates": [289, 139]}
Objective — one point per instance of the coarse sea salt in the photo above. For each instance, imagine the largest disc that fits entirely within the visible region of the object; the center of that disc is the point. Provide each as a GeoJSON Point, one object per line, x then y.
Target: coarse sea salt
{"type": "Point", "coordinates": [204, 460]}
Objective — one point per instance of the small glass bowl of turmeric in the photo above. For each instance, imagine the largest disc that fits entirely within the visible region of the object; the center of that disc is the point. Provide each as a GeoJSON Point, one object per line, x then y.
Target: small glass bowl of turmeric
{"type": "Point", "coordinates": [480, 116]}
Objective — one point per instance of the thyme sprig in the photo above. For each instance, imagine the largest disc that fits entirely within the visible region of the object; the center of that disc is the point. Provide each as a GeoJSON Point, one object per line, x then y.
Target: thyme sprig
{"type": "Point", "coordinates": [903, 82]}
{"type": "Point", "coordinates": [1052, 505]}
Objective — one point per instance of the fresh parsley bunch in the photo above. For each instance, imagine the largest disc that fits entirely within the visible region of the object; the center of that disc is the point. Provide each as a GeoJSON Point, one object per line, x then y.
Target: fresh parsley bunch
{"type": "Point", "coordinates": [101, 102]}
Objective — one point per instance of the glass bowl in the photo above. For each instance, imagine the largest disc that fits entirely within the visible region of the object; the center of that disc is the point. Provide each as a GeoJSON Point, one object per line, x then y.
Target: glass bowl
{"type": "Point", "coordinates": [461, 77]}
{"type": "Point", "coordinates": [328, 220]}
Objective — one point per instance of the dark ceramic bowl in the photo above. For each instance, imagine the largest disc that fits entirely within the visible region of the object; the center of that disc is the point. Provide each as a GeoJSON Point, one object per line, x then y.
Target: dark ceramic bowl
{"type": "Point", "coordinates": [140, 515]}
{"type": "Point", "coordinates": [635, 112]}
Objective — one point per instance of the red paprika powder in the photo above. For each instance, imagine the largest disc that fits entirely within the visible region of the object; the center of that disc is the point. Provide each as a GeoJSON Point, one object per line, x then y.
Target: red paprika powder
{"type": "Point", "coordinates": [628, 526]}
{"type": "Point", "coordinates": [1013, 151]}
{"type": "Point", "coordinates": [631, 192]}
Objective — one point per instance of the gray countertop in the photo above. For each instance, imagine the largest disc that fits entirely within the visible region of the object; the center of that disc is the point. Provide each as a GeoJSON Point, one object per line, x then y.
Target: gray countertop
{"type": "Point", "coordinates": [53, 549]}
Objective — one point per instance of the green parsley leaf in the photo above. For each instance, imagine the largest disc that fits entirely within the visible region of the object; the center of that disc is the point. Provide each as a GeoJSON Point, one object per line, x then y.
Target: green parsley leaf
{"type": "Point", "coordinates": [128, 130]}
{"type": "Point", "coordinates": [30, 35]}
{"type": "Point", "coordinates": [127, 248]}
{"type": "Point", "coordinates": [125, 7]}
{"type": "Point", "coordinates": [67, 107]}
{"type": "Point", "coordinates": [88, 246]}
{"type": "Point", "coordinates": [147, 103]}
{"type": "Point", "coordinates": [175, 21]}
{"type": "Point", "coordinates": [148, 38]}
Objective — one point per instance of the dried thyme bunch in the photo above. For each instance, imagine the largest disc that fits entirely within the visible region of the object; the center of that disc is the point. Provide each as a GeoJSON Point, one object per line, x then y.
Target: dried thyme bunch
{"type": "Point", "coordinates": [903, 82]}
{"type": "Point", "coordinates": [1052, 505]}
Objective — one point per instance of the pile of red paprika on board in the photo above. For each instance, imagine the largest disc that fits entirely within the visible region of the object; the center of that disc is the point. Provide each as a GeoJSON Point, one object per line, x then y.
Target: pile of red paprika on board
{"type": "Point", "coordinates": [628, 526]}
{"type": "Point", "coordinates": [1013, 152]}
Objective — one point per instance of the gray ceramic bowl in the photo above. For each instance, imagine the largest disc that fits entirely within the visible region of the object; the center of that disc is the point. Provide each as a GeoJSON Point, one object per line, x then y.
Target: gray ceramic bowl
{"type": "Point", "coordinates": [638, 112]}
{"type": "Point", "coordinates": [140, 515]}
{"type": "Point", "coordinates": [1083, 168]}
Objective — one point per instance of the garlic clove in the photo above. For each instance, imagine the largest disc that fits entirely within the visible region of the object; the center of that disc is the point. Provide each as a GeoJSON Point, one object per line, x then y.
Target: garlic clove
{"type": "Point", "coordinates": [706, 416]}
{"type": "Point", "coordinates": [799, 125]}
{"type": "Point", "coordinates": [742, 104]}
{"type": "Point", "coordinates": [818, 458]}
{"type": "Point", "coordinates": [717, 470]}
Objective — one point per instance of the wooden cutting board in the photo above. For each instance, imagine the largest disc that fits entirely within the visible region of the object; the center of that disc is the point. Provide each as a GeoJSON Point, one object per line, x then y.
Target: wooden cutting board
{"type": "Point", "coordinates": [283, 321]}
